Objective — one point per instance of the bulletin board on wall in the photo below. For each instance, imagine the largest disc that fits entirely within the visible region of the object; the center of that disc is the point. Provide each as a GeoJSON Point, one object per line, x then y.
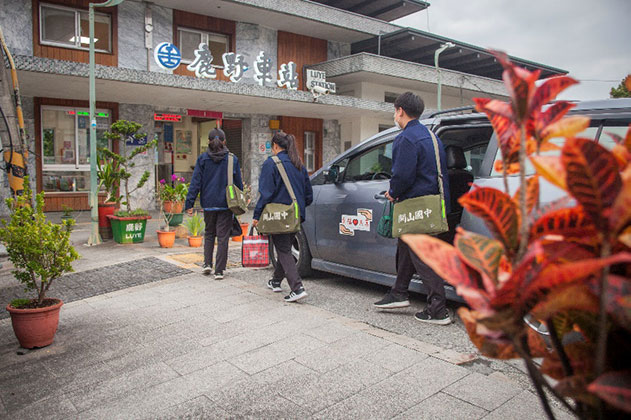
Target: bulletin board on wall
{"type": "Point", "coordinates": [184, 146]}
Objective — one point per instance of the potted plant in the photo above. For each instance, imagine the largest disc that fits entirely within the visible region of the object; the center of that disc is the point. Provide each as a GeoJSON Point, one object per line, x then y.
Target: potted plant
{"type": "Point", "coordinates": [247, 191]}
{"type": "Point", "coordinates": [128, 226]}
{"type": "Point", "coordinates": [173, 195]}
{"type": "Point", "coordinates": [166, 236]}
{"type": "Point", "coordinates": [67, 212]}
{"type": "Point", "coordinates": [195, 225]}
{"type": "Point", "coordinates": [108, 173]}
{"type": "Point", "coordinates": [41, 253]}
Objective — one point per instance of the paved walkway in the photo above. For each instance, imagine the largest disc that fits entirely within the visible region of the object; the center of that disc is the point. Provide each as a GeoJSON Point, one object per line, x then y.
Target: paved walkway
{"type": "Point", "coordinates": [192, 347]}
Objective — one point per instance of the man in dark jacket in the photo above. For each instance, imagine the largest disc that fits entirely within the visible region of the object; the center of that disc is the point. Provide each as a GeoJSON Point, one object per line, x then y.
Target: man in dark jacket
{"type": "Point", "coordinates": [414, 174]}
{"type": "Point", "coordinates": [210, 179]}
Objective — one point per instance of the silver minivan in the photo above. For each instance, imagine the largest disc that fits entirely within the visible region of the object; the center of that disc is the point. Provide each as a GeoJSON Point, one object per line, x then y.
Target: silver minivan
{"type": "Point", "coordinates": [340, 236]}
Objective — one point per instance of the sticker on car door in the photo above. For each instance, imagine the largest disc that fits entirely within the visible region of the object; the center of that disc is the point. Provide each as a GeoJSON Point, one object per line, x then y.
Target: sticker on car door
{"type": "Point", "coordinates": [358, 222]}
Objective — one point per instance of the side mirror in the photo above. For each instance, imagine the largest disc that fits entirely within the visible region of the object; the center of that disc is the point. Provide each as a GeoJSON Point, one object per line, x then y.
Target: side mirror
{"type": "Point", "coordinates": [331, 176]}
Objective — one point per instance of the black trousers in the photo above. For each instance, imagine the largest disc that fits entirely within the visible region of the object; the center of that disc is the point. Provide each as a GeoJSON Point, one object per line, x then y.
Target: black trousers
{"type": "Point", "coordinates": [408, 264]}
{"type": "Point", "coordinates": [286, 266]}
{"type": "Point", "coordinates": [218, 225]}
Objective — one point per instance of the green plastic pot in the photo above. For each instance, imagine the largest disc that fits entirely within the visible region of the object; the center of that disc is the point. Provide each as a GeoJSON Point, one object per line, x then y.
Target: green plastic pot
{"type": "Point", "coordinates": [176, 218]}
{"type": "Point", "coordinates": [129, 230]}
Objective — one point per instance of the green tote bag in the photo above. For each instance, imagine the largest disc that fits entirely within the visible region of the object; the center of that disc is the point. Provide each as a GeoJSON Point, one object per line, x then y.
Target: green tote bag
{"type": "Point", "coordinates": [280, 218]}
{"type": "Point", "coordinates": [234, 196]}
{"type": "Point", "coordinates": [384, 228]}
{"type": "Point", "coordinates": [425, 214]}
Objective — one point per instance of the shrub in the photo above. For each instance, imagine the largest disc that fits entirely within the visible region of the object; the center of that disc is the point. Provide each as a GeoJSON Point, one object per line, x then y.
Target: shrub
{"type": "Point", "coordinates": [565, 265]}
{"type": "Point", "coordinates": [39, 249]}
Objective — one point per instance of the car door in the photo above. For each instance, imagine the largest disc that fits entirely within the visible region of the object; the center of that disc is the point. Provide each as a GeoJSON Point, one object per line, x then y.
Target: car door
{"type": "Point", "coordinates": [349, 210]}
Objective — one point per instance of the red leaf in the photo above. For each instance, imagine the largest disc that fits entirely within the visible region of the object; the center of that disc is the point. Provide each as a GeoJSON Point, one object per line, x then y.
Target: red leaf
{"type": "Point", "coordinates": [553, 275]}
{"type": "Point", "coordinates": [569, 223]}
{"type": "Point", "coordinates": [614, 388]}
{"type": "Point", "coordinates": [572, 297]}
{"type": "Point", "coordinates": [445, 261]}
{"type": "Point", "coordinates": [489, 347]}
{"type": "Point", "coordinates": [499, 213]}
{"type": "Point", "coordinates": [549, 90]}
{"type": "Point", "coordinates": [592, 177]}
{"type": "Point", "coordinates": [551, 168]}
{"type": "Point", "coordinates": [567, 127]}
{"type": "Point", "coordinates": [532, 193]}
{"type": "Point", "coordinates": [482, 254]}
{"type": "Point", "coordinates": [508, 293]}
{"type": "Point", "coordinates": [520, 84]}
{"type": "Point", "coordinates": [621, 210]}
{"type": "Point", "coordinates": [550, 116]}
{"type": "Point", "coordinates": [506, 130]}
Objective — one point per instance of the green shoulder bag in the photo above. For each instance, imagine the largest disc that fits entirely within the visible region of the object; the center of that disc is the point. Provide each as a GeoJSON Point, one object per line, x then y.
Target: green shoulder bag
{"type": "Point", "coordinates": [425, 214]}
{"type": "Point", "coordinates": [384, 228]}
{"type": "Point", "coordinates": [280, 218]}
{"type": "Point", "coordinates": [234, 196]}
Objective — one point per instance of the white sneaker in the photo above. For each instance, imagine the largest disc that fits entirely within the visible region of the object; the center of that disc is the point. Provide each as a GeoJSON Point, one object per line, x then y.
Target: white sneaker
{"type": "Point", "coordinates": [296, 296]}
{"type": "Point", "coordinates": [206, 269]}
{"type": "Point", "coordinates": [218, 276]}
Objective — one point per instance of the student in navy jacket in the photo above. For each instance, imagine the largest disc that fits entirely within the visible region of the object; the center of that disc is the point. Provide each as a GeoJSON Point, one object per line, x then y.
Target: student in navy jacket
{"type": "Point", "coordinates": [210, 179]}
{"type": "Point", "coordinates": [272, 190]}
{"type": "Point", "coordinates": [414, 174]}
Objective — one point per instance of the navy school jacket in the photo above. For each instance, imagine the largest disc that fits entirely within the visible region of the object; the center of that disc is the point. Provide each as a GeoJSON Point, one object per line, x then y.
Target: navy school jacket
{"type": "Point", "coordinates": [272, 188]}
{"type": "Point", "coordinates": [414, 171]}
{"type": "Point", "coordinates": [210, 179]}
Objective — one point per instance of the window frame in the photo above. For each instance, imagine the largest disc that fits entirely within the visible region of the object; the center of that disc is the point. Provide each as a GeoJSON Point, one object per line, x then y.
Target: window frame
{"type": "Point", "coordinates": [67, 167]}
{"type": "Point", "coordinates": [77, 29]}
{"type": "Point", "coordinates": [310, 151]}
{"type": "Point", "coordinates": [205, 35]}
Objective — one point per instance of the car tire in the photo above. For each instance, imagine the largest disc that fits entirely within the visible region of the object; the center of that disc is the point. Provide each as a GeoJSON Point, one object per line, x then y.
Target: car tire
{"type": "Point", "coordinates": [302, 255]}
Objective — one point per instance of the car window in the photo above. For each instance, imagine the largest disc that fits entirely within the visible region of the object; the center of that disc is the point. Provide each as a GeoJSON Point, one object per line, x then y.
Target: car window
{"type": "Point", "coordinates": [589, 132]}
{"type": "Point", "coordinates": [375, 163]}
{"type": "Point", "coordinates": [618, 127]}
{"type": "Point", "coordinates": [475, 156]}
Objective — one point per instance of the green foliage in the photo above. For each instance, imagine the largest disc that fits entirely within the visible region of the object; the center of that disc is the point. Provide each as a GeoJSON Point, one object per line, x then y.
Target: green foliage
{"type": "Point", "coordinates": [115, 169]}
{"type": "Point", "coordinates": [623, 89]}
{"type": "Point", "coordinates": [195, 224]}
{"type": "Point", "coordinates": [18, 303]}
{"type": "Point", "coordinates": [67, 210]}
{"type": "Point", "coordinates": [177, 192]}
{"type": "Point", "coordinates": [132, 213]}
{"type": "Point", "coordinates": [39, 249]}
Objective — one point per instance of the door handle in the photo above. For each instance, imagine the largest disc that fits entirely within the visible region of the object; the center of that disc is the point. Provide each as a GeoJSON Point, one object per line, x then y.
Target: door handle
{"type": "Point", "coordinates": [380, 196]}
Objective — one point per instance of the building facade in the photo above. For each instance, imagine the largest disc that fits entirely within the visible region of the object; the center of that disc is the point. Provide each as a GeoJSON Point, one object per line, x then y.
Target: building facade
{"type": "Point", "coordinates": [263, 52]}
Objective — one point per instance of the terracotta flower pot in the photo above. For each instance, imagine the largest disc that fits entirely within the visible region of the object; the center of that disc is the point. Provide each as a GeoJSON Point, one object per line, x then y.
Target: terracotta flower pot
{"type": "Point", "coordinates": [166, 239]}
{"type": "Point", "coordinates": [35, 327]}
{"type": "Point", "coordinates": [244, 230]}
{"type": "Point", "coordinates": [173, 206]}
{"type": "Point", "coordinates": [195, 241]}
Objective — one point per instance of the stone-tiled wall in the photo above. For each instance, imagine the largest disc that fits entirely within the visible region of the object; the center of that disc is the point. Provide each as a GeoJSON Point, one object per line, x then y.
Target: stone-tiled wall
{"type": "Point", "coordinates": [162, 31]}
{"type": "Point", "coordinates": [250, 41]}
{"type": "Point", "coordinates": [331, 141]}
{"type": "Point", "coordinates": [132, 53]}
{"type": "Point", "coordinates": [143, 198]}
{"type": "Point", "coordinates": [16, 22]}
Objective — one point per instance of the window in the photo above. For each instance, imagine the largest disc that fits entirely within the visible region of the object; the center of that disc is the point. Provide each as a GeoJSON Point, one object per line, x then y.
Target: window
{"type": "Point", "coordinates": [375, 163]}
{"type": "Point", "coordinates": [66, 147]}
{"type": "Point", "coordinates": [390, 97]}
{"type": "Point", "coordinates": [618, 127]}
{"type": "Point", "coordinates": [309, 152]}
{"type": "Point", "coordinates": [384, 127]}
{"type": "Point", "coordinates": [189, 40]}
{"type": "Point", "coordinates": [66, 27]}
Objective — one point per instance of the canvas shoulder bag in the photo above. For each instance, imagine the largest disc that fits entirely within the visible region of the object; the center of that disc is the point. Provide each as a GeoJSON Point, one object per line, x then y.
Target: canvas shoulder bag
{"type": "Point", "coordinates": [425, 214]}
{"type": "Point", "coordinates": [234, 196]}
{"type": "Point", "coordinates": [280, 218]}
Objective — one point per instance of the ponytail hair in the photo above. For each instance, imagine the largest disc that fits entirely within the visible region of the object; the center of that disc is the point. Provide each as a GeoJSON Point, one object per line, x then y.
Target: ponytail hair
{"type": "Point", "coordinates": [287, 142]}
{"type": "Point", "coordinates": [216, 139]}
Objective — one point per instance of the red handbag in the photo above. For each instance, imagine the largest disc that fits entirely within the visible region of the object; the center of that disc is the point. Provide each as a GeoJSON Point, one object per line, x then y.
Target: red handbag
{"type": "Point", "coordinates": [255, 250]}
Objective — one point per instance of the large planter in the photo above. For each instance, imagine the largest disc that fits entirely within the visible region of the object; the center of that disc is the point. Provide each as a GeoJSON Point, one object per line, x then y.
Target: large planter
{"type": "Point", "coordinates": [105, 227]}
{"type": "Point", "coordinates": [195, 241]}
{"type": "Point", "coordinates": [129, 230]}
{"type": "Point", "coordinates": [176, 219]}
{"type": "Point", "coordinates": [35, 327]}
{"type": "Point", "coordinates": [166, 239]}
{"type": "Point", "coordinates": [173, 206]}
{"type": "Point", "coordinates": [244, 230]}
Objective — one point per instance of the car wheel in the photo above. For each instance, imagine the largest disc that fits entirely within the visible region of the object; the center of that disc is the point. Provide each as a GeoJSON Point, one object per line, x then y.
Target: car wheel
{"type": "Point", "coordinates": [300, 252]}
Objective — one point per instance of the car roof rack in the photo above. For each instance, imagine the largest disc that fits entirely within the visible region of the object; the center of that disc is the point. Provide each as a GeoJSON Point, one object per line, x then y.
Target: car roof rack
{"type": "Point", "coordinates": [452, 110]}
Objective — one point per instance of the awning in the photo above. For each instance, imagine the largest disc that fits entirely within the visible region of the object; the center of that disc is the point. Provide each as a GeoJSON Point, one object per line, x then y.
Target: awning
{"type": "Point", "coordinates": [387, 10]}
{"type": "Point", "coordinates": [419, 47]}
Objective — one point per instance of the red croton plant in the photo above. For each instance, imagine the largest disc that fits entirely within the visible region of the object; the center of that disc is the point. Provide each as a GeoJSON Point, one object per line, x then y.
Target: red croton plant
{"type": "Point", "coordinates": [567, 267]}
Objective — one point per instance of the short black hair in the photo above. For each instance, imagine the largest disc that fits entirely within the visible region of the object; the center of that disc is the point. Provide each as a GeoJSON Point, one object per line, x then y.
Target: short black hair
{"type": "Point", "coordinates": [216, 132]}
{"type": "Point", "coordinates": [411, 103]}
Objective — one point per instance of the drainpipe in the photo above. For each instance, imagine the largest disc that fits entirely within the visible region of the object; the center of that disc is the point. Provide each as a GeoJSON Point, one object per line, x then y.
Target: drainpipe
{"type": "Point", "coordinates": [442, 48]}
